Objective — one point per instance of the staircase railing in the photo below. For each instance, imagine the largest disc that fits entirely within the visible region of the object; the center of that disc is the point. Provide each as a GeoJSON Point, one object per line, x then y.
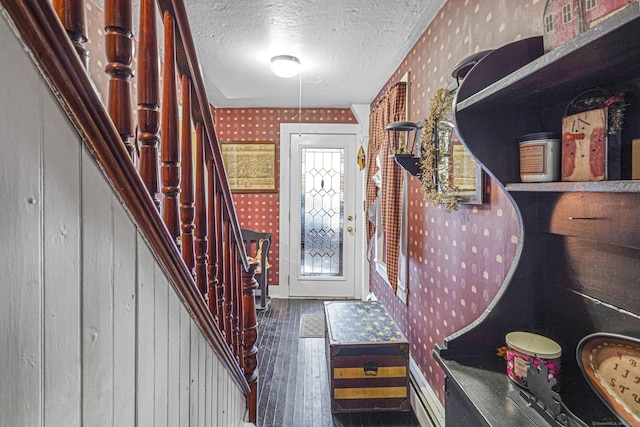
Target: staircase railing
{"type": "Point", "coordinates": [191, 223]}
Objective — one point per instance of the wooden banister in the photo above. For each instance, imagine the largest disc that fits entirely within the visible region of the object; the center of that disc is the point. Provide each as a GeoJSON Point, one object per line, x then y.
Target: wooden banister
{"type": "Point", "coordinates": [201, 214]}
{"type": "Point", "coordinates": [73, 18]}
{"type": "Point", "coordinates": [219, 280]}
{"type": "Point", "coordinates": [250, 337]}
{"type": "Point", "coordinates": [237, 305]}
{"type": "Point", "coordinates": [188, 64]}
{"type": "Point", "coordinates": [187, 207]}
{"type": "Point", "coordinates": [226, 280]}
{"type": "Point", "coordinates": [212, 264]}
{"type": "Point", "coordinates": [210, 227]}
{"type": "Point", "coordinates": [170, 153]}
{"type": "Point", "coordinates": [119, 52]}
{"type": "Point", "coordinates": [148, 99]}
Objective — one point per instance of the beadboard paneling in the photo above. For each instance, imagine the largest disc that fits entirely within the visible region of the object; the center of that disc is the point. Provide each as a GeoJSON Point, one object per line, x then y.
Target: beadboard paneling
{"type": "Point", "coordinates": [21, 354]}
{"type": "Point", "coordinates": [145, 333]}
{"type": "Point", "coordinates": [97, 294]}
{"type": "Point", "coordinates": [124, 318]}
{"type": "Point", "coordinates": [62, 307]}
{"type": "Point", "coordinates": [85, 308]}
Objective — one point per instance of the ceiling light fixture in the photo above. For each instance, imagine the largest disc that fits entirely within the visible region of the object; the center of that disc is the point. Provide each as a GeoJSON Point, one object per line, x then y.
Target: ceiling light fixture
{"type": "Point", "coordinates": [285, 65]}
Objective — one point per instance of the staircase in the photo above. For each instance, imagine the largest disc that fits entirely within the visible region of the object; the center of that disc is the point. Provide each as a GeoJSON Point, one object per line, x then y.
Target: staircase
{"type": "Point", "coordinates": [127, 293]}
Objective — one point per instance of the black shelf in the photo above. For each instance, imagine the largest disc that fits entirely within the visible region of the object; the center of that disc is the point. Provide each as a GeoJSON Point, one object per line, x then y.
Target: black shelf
{"type": "Point", "coordinates": [608, 53]}
{"type": "Point", "coordinates": [577, 267]}
{"type": "Point", "coordinates": [624, 186]}
{"type": "Point", "coordinates": [484, 382]}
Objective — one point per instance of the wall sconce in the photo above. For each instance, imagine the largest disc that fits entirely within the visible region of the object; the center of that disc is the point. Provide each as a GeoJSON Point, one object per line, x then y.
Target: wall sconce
{"type": "Point", "coordinates": [403, 139]}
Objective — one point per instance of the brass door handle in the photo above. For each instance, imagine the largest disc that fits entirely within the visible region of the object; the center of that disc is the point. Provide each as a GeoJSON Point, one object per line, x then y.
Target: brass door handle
{"type": "Point", "coordinates": [349, 229]}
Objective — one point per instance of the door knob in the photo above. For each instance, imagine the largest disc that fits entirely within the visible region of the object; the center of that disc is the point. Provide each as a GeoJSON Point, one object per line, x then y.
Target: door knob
{"type": "Point", "coordinates": [349, 229]}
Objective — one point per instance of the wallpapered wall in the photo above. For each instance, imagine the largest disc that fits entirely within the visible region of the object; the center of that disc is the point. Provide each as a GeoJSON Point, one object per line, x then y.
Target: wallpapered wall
{"type": "Point", "coordinates": [457, 261]}
{"type": "Point", "coordinates": [261, 212]}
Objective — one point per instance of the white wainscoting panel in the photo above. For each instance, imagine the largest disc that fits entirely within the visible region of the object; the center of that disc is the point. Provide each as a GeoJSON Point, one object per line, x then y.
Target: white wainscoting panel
{"type": "Point", "coordinates": [97, 297]}
{"type": "Point", "coordinates": [173, 348]}
{"type": "Point", "coordinates": [92, 331]}
{"type": "Point", "coordinates": [21, 229]}
{"type": "Point", "coordinates": [124, 318]}
{"type": "Point", "coordinates": [161, 351]}
{"type": "Point", "coordinates": [185, 366]}
{"type": "Point", "coordinates": [61, 265]}
{"type": "Point", "coordinates": [145, 384]}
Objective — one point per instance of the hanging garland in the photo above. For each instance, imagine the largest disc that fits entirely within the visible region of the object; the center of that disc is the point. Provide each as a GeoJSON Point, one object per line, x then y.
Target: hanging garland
{"type": "Point", "coordinates": [445, 196]}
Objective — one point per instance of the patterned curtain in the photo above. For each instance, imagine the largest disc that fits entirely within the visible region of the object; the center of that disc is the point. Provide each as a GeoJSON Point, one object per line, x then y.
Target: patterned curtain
{"type": "Point", "coordinates": [390, 108]}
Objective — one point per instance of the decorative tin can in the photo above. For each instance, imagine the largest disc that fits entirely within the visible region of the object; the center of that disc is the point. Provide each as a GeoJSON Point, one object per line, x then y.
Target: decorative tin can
{"type": "Point", "coordinates": [539, 157]}
{"type": "Point", "coordinates": [521, 346]}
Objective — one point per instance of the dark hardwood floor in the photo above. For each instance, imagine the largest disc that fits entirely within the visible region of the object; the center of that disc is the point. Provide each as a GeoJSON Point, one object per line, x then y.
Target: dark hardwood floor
{"type": "Point", "coordinates": [293, 384]}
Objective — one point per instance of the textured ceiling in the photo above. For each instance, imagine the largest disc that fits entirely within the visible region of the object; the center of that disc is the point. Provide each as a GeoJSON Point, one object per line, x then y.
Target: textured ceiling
{"type": "Point", "coordinates": [348, 48]}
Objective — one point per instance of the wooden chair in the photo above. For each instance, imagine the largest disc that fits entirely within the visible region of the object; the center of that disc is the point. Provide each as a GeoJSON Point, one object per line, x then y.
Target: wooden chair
{"type": "Point", "coordinates": [257, 245]}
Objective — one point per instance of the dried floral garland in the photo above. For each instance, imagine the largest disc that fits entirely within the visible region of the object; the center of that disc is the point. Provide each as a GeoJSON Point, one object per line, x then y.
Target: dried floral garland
{"type": "Point", "coordinates": [445, 196]}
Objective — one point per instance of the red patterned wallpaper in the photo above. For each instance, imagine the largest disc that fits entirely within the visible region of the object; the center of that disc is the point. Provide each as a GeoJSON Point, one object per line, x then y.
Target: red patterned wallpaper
{"type": "Point", "coordinates": [261, 212]}
{"type": "Point", "coordinates": [457, 261]}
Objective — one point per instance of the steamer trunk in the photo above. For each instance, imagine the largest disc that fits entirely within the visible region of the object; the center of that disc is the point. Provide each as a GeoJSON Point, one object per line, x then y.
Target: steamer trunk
{"type": "Point", "coordinates": [368, 358]}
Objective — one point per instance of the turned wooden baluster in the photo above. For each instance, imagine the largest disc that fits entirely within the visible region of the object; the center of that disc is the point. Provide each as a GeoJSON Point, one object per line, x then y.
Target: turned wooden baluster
{"type": "Point", "coordinates": [213, 245]}
{"type": "Point", "coordinates": [201, 214]}
{"type": "Point", "coordinates": [118, 24]}
{"type": "Point", "coordinates": [221, 296]}
{"type": "Point", "coordinates": [227, 278]}
{"type": "Point", "coordinates": [236, 267]}
{"type": "Point", "coordinates": [250, 337]}
{"type": "Point", "coordinates": [73, 18]}
{"type": "Point", "coordinates": [170, 153]}
{"type": "Point", "coordinates": [187, 208]}
{"type": "Point", "coordinates": [239, 290]}
{"type": "Point", "coordinates": [148, 113]}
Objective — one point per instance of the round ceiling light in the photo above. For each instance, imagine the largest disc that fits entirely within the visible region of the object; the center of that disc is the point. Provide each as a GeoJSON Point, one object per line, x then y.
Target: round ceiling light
{"type": "Point", "coordinates": [285, 65]}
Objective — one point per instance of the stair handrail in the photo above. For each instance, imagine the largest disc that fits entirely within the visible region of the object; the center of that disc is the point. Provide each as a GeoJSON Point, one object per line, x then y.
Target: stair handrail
{"type": "Point", "coordinates": [37, 26]}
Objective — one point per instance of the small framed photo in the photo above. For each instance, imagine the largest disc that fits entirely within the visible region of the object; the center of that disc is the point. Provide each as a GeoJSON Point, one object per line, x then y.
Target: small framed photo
{"type": "Point", "coordinates": [466, 175]}
{"type": "Point", "coordinates": [458, 172]}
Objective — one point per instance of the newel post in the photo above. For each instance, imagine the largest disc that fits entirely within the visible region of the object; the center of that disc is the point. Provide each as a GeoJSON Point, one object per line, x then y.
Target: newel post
{"type": "Point", "coordinates": [250, 336]}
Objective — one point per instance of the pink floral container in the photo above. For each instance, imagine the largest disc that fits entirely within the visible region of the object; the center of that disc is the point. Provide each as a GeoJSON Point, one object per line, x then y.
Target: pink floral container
{"type": "Point", "coordinates": [521, 346]}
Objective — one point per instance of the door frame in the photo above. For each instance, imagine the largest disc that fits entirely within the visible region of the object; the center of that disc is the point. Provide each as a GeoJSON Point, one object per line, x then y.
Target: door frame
{"type": "Point", "coordinates": [286, 130]}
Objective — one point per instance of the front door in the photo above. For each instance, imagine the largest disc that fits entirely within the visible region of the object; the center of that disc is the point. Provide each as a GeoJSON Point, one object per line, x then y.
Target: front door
{"type": "Point", "coordinates": [322, 230]}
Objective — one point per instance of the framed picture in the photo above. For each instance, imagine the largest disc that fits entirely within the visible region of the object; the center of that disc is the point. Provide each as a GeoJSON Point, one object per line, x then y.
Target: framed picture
{"type": "Point", "coordinates": [466, 174]}
{"type": "Point", "coordinates": [251, 166]}
{"type": "Point", "coordinates": [458, 172]}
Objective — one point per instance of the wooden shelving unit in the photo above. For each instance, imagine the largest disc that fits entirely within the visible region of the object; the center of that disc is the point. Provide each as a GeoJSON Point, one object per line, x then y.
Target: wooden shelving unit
{"type": "Point", "coordinates": [577, 268]}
